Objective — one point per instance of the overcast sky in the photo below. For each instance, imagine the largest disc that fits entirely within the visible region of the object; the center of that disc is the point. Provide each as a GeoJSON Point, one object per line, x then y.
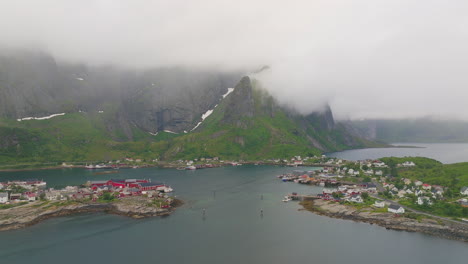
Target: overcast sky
{"type": "Point", "coordinates": [366, 58]}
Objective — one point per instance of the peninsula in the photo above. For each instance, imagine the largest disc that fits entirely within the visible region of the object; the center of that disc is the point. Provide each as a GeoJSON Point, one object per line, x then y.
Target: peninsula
{"type": "Point", "coordinates": [410, 194]}
{"type": "Point", "coordinates": [25, 203]}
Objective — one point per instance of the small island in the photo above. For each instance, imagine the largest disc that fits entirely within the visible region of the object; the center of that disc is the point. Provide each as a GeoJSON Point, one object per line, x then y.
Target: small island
{"type": "Point", "coordinates": [25, 203]}
{"type": "Point", "coordinates": [408, 194]}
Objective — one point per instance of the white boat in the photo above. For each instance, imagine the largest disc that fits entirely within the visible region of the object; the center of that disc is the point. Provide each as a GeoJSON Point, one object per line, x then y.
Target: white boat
{"type": "Point", "coordinates": [287, 199]}
{"type": "Point", "coordinates": [98, 166]}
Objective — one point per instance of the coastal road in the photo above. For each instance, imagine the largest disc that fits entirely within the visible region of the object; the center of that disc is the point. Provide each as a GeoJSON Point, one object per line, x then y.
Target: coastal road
{"type": "Point", "coordinates": [380, 188]}
{"type": "Point", "coordinates": [419, 212]}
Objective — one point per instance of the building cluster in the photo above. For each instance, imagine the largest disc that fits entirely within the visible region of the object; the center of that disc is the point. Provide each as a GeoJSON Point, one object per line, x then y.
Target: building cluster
{"type": "Point", "coordinates": [347, 193]}
{"type": "Point", "coordinates": [20, 190]}
{"type": "Point", "coordinates": [32, 190]}
{"type": "Point", "coordinates": [425, 193]}
{"type": "Point", "coordinates": [353, 194]}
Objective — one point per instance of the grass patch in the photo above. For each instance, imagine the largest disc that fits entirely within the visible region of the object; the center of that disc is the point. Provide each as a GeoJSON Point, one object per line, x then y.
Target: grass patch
{"type": "Point", "coordinates": [7, 206]}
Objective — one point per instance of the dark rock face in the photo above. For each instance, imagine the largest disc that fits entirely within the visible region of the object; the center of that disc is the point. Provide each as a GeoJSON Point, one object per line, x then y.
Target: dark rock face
{"type": "Point", "coordinates": [34, 84]}
{"type": "Point", "coordinates": [241, 102]}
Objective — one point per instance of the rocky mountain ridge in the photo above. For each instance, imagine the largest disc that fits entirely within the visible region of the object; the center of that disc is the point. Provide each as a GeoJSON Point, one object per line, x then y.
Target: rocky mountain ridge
{"type": "Point", "coordinates": [35, 84]}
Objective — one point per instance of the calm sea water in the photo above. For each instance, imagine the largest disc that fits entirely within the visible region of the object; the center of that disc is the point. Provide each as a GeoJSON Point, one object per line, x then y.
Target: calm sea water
{"type": "Point", "coordinates": [445, 153]}
{"type": "Point", "coordinates": [232, 230]}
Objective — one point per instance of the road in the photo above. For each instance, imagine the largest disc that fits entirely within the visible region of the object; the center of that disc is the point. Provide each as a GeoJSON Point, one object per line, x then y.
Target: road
{"type": "Point", "coordinates": [381, 189]}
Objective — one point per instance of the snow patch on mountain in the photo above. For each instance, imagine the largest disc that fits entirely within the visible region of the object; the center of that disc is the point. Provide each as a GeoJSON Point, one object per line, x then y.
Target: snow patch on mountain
{"type": "Point", "coordinates": [39, 118]}
{"type": "Point", "coordinates": [209, 112]}
{"type": "Point", "coordinates": [230, 90]}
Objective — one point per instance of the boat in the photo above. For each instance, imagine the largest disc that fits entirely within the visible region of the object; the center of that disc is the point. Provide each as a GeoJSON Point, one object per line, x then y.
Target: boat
{"type": "Point", "coordinates": [287, 199]}
{"type": "Point", "coordinates": [190, 168]}
{"type": "Point", "coordinates": [168, 189]}
{"type": "Point", "coordinates": [97, 166]}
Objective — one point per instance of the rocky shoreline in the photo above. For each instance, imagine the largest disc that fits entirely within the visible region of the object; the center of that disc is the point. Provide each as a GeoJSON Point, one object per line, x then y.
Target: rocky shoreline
{"type": "Point", "coordinates": [33, 213]}
{"type": "Point", "coordinates": [429, 226]}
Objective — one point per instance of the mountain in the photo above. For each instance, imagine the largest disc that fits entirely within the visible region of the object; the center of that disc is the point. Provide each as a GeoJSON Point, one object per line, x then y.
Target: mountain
{"type": "Point", "coordinates": [250, 124]}
{"type": "Point", "coordinates": [422, 130]}
{"type": "Point", "coordinates": [88, 113]}
{"type": "Point", "coordinates": [35, 84]}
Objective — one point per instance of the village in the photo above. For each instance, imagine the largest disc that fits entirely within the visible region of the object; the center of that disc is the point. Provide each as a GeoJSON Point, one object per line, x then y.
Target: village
{"type": "Point", "coordinates": [24, 191]}
{"type": "Point", "coordinates": [368, 183]}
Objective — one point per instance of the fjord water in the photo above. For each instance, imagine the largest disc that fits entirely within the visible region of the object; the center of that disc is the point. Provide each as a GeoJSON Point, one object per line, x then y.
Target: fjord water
{"type": "Point", "coordinates": [231, 231]}
{"type": "Point", "coordinates": [443, 152]}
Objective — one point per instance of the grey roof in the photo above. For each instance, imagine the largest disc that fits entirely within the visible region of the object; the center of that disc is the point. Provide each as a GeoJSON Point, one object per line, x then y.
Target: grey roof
{"type": "Point", "coordinates": [464, 188]}
{"type": "Point", "coordinates": [98, 182]}
{"type": "Point", "coordinates": [4, 194]}
{"type": "Point", "coordinates": [147, 184]}
{"type": "Point", "coordinates": [394, 206]}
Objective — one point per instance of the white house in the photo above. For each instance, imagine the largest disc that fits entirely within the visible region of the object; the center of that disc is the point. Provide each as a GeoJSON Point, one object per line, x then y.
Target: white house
{"type": "Point", "coordinates": [408, 164]}
{"type": "Point", "coordinates": [351, 171]}
{"type": "Point", "coordinates": [328, 191]}
{"type": "Point", "coordinates": [378, 164]}
{"type": "Point", "coordinates": [371, 187]}
{"type": "Point", "coordinates": [401, 193]}
{"type": "Point", "coordinates": [355, 198]}
{"type": "Point", "coordinates": [422, 200]}
{"type": "Point", "coordinates": [52, 195]}
{"type": "Point", "coordinates": [418, 183]}
{"type": "Point", "coordinates": [379, 204]}
{"type": "Point", "coordinates": [3, 197]}
{"type": "Point", "coordinates": [342, 188]}
{"type": "Point", "coordinates": [396, 209]}
{"type": "Point", "coordinates": [378, 173]}
{"type": "Point", "coordinates": [426, 186]}
{"type": "Point", "coordinates": [464, 190]}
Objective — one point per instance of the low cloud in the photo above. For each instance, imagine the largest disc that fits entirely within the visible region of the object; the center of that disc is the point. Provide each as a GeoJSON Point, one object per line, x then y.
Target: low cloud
{"type": "Point", "coordinates": [366, 58]}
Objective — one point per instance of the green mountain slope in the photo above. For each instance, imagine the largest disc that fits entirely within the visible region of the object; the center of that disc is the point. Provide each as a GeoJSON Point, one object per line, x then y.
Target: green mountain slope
{"type": "Point", "coordinates": [247, 124]}
{"type": "Point", "coordinates": [250, 124]}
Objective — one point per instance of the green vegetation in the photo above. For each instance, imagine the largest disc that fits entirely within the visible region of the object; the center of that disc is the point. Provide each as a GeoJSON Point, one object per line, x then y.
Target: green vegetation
{"type": "Point", "coordinates": [248, 125]}
{"type": "Point", "coordinates": [7, 206]}
{"type": "Point", "coordinates": [439, 207]}
{"type": "Point", "coordinates": [107, 197]}
{"type": "Point", "coordinates": [381, 210]}
{"type": "Point", "coordinates": [453, 176]}
{"type": "Point", "coordinates": [415, 216]}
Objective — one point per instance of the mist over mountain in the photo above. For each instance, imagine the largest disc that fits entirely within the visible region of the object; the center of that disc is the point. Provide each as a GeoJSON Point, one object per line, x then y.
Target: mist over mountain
{"type": "Point", "coordinates": [34, 84]}
{"type": "Point", "coordinates": [165, 113]}
{"type": "Point", "coordinates": [367, 59]}
{"type": "Point", "coordinates": [421, 130]}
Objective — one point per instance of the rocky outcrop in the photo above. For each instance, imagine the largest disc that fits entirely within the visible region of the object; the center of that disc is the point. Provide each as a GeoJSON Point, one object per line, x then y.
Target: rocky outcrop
{"type": "Point", "coordinates": [30, 214]}
{"type": "Point", "coordinates": [447, 230]}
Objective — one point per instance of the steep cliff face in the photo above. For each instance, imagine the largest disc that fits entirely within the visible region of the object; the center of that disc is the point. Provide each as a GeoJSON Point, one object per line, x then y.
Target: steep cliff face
{"type": "Point", "coordinates": [34, 84]}
{"type": "Point", "coordinates": [110, 111]}
{"type": "Point", "coordinates": [251, 124]}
